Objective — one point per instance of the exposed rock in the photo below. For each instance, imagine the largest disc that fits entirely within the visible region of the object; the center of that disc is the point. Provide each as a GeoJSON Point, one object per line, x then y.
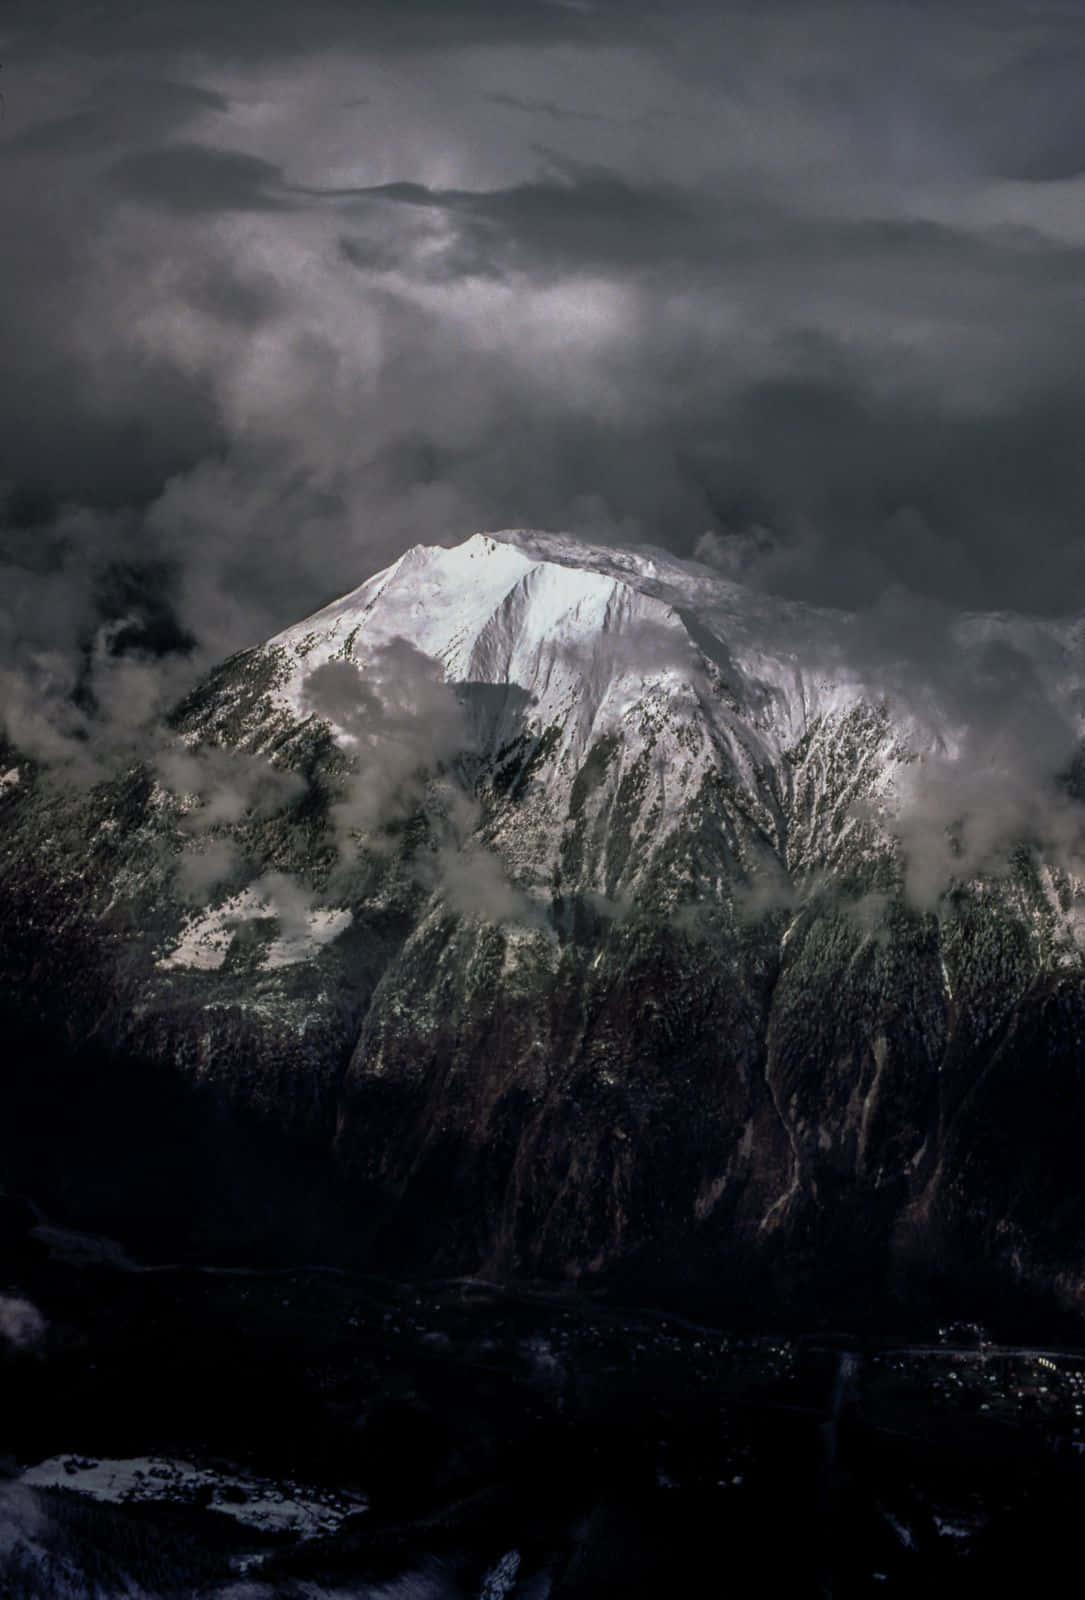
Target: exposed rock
{"type": "Point", "coordinates": [551, 898]}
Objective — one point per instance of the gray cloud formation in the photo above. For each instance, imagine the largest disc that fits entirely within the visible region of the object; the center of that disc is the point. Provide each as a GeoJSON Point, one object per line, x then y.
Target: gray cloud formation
{"type": "Point", "coordinates": [399, 720]}
{"type": "Point", "coordinates": [796, 287]}
{"type": "Point", "coordinates": [998, 703]}
{"type": "Point", "coordinates": [407, 734]}
{"type": "Point", "coordinates": [221, 785]}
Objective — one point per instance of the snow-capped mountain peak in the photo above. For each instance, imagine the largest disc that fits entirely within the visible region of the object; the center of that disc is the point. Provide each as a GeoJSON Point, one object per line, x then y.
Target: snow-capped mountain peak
{"type": "Point", "coordinates": [567, 621]}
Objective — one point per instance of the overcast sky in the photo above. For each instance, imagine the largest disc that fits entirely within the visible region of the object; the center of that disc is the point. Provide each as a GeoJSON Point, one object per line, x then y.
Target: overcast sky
{"type": "Point", "coordinates": [284, 289]}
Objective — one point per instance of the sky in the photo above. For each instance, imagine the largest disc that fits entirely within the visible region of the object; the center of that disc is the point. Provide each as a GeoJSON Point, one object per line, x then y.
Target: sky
{"type": "Point", "coordinates": [795, 288]}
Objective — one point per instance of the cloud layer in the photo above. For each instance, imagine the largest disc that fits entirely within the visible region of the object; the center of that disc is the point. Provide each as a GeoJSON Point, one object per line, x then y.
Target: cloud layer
{"type": "Point", "coordinates": [793, 287]}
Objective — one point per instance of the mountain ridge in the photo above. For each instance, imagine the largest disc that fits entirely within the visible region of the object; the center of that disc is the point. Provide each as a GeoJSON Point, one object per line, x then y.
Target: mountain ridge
{"type": "Point", "coordinates": [558, 903]}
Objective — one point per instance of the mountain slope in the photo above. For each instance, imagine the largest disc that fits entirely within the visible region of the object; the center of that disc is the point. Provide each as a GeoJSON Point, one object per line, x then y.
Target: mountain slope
{"type": "Point", "coordinates": [553, 898]}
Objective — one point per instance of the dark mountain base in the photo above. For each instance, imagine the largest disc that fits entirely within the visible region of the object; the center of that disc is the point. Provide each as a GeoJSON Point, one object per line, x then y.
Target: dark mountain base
{"type": "Point", "coordinates": [121, 1146]}
{"type": "Point", "coordinates": [525, 1445]}
{"type": "Point", "coordinates": [179, 1172]}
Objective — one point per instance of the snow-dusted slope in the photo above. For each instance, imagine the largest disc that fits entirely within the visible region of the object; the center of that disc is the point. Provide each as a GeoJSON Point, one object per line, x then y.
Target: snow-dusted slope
{"type": "Point", "coordinates": [669, 674]}
{"type": "Point", "coordinates": [659, 678]}
{"type": "Point", "coordinates": [564, 890]}
{"type": "Point", "coordinates": [514, 605]}
{"type": "Point", "coordinates": [593, 635]}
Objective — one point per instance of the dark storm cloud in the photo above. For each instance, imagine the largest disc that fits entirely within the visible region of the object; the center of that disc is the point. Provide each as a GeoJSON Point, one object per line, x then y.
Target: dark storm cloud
{"type": "Point", "coordinates": [1037, 133]}
{"type": "Point", "coordinates": [194, 178]}
{"type": "Point", "coordinates": [256, 29]}
{"type": "Point", "coordinates": [80, 424]}
{"type": "Point", "coordinates": [793, 287]}
{"type": "Point", "coordinates": [867, 475]}
{"type": "Point", "coordinates": [577, 219]}
{"type": "Point", "coordinates": [544, 108]}
{"type": "Point", "coordinates": [122, 108]}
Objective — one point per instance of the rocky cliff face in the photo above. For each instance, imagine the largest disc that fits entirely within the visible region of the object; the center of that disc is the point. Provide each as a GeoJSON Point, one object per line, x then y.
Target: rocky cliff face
{"type": "Point", "coordinates": [553, 898]}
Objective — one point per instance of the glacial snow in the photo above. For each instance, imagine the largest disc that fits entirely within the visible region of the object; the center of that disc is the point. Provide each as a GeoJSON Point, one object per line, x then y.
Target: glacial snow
{"type": "Point", "coordinates": [566, 621]}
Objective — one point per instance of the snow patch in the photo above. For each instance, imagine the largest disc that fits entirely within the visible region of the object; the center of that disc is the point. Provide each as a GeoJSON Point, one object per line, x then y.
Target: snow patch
{"type": "Point", "coordinates": [256, 1502]}
{"type": "Point", "coordinates": [205, 942]}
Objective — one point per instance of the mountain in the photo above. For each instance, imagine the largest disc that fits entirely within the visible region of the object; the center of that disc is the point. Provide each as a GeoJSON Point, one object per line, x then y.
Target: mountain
{"type": "Point", "coordinates": [544, 910]}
